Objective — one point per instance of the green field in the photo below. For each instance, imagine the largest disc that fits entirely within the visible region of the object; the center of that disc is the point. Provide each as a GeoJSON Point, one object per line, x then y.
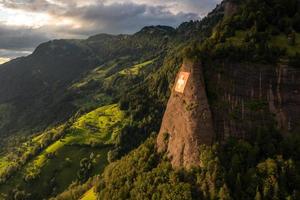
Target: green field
{"type": "Point", "coordinates": [93, 133]}
{"type": "Point", "coordinates": [116, 74]}
{"type": "Point", "coordinates": [101, 125]}
{"type": "Point", "coordinates": [135, 70]}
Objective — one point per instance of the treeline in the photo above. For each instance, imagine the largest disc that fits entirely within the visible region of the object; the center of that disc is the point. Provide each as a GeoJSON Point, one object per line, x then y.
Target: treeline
{"type": "Point", "coordinates": [264, 167]}
{"type": "Point", "coordinates": [260, 21]}
{"type": "Point", "coordinates": [28, 150]}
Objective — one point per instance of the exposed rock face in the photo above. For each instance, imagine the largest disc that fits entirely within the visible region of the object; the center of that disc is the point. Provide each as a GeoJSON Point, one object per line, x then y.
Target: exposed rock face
{"type": "Point", "coordinates": [227, 8]}
{"type": "Point", "coordinates": [187, 122]}
{"type": "Point", "coordinates": [244, 98]}
{"type": "Point", "coordinates": [230, 8]}
{"type": "Point", "coordinates": [248, 98]}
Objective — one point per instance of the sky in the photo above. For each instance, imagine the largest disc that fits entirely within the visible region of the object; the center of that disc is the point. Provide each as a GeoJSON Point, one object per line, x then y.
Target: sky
{"type": "Point", "coordinates": [24, 24]}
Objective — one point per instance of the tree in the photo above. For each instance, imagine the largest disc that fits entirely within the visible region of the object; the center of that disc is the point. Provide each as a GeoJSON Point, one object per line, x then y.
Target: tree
{"type": "Point", "coordinates": [86, 165]}
{"type": "Point", "coordinates": [296, 22]}
{"type": "Point", "coordinates": [224, 193]}
{"type": "Point", "coordinates": [258, 195]}
{"type": "Point", "coordinates": [292, 38]}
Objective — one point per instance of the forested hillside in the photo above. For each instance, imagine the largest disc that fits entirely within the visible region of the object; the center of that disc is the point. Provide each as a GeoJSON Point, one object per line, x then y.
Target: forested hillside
{"type": "Point", "coordinates": [77, 101]}
{"type": "Point", "coordinates": [80, 118]}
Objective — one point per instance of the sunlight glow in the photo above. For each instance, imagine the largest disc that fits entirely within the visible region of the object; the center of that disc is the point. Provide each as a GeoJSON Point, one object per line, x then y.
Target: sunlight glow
{"type": "Point", "coordinates": [4, 60]}
{"type": "Point", "coordinates": [12, 17]}
{"type": "Point", "coordinates": [62, 21]}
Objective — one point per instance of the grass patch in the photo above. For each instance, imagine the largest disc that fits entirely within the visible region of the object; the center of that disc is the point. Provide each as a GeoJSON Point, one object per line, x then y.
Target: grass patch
{"type": "Point", "coordinates": [238, 39]}
{"type": "Point", "coordinates": [98, 128]}
{"type": "Point", "coordinates": [89, 195]}
{"type": "Point", "coordinates": [57, 165]}
{"type": "Point", "coordinates": [281, 41]}
{"type": "Point", "coordinates": [59, 172]}
{"type": "Point", "coordinates": [4, 163]}
{"type": "Point", "coordinates": [102, 124]}
{"type": "Point", "coordinates": [135, 70]}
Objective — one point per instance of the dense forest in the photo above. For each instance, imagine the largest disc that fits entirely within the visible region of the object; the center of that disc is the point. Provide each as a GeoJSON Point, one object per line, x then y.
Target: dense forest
{"type": "Point", "coordinates": [96, 138]}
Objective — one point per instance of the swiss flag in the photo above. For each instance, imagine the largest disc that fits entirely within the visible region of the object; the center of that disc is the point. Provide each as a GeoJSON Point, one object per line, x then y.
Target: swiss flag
{"type": "Point", "coordinates": [181, 81]}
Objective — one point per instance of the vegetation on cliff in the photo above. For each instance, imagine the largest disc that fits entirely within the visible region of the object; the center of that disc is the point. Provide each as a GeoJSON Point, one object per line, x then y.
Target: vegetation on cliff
{"type": "Point", "coordinates": [261, 168]}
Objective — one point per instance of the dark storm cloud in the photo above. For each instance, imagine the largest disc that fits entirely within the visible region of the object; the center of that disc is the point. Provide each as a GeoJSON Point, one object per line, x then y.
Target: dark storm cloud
{"type": "Point", "coordinates": [17, 41]}
{"type": "Point", "coordinates": [20, 38]}
{"type": "Point", "coordinates": [125, 17]}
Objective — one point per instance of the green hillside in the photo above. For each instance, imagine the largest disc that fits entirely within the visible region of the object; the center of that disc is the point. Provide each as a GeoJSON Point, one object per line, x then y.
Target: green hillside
{"type": "Point", "coordinates": [80, 118]}
{"type": "Point", "coordinates": [264, 166]}
{"type": "Point", "coordinates": [62, 77]}
{"type": "Point", "coordinates": [85, 142]}
{"type": "Point", "coordinates": [134, 70]}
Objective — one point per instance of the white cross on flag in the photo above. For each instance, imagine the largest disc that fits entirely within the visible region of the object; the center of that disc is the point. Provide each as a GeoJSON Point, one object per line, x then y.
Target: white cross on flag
{"type": "Point", "coordinates": [181, 82]}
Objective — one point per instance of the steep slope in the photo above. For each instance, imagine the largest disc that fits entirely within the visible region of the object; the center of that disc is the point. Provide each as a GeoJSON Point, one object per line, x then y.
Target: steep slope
{"type": "Point", "coordinates": [251, 82]}
{"type": "Point", "coordinates": [51, 160]}
{"type": "Point", "coordinates": [244, 97]}
{"type": "Point", "coordinates": [251, 97]}
{"type": "Point", "coordinates": [34, 85]}
{"type": "Point", "coordinates": [187, 122]}
{"type": "Point", "coordinates": [242, 75]}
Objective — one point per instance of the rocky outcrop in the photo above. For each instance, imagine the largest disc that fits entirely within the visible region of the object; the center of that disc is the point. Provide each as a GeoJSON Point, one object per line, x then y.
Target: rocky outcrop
{"type": "Point", "coordinates": [226, 8]}
{"type": "Point", "coordinates": [247, 98]}
{"type": "Point", "coordinates": [244, 99]}
{"type": "Point", "coordinates": [187, 122]}
{"type": "Point", "coordinates": [230, 8]}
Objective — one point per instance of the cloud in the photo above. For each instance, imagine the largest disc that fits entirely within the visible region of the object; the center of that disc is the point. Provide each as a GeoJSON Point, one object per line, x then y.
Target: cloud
{"type": "Point", "coordinates": [125, 17]}
{"type": "Point", "coordinates": [26, 23]}
{"type": "Point", "coordinates": [12, 37]}
{"type": "Point", "coordinates": [19, 41]}
{"type": "Point", "coordinates": [199, 7]}
{"type": "Point", "coordinates": [10, 54]}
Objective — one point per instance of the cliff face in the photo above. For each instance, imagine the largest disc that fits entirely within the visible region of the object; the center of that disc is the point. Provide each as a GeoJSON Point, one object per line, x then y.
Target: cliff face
{"type": "Point", "coordinates": [187, 122]}
{"type": "Point", "coordinates": [246, 98]}
{"type": "Point", "coordinates": [235, 100]}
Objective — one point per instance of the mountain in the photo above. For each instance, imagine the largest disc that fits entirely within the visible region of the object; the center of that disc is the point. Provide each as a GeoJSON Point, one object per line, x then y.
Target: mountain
{"type": "Point", "coordinates": [35, 90]}
{"type": "Point", "coordinates": [209, 110]}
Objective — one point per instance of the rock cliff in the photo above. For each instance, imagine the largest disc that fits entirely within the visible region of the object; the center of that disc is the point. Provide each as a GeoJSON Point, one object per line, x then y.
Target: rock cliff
{"type": "Point", "coordinates": [187, 122]}
{"type": "Point", "coordinates": [246, 98]}
{"type": "Point", "coordinates": [235, 100]}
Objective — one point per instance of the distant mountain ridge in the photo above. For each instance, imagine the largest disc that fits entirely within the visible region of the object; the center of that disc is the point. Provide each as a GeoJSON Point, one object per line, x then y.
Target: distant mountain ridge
{"type": "Point", "coordinates": [27, 83]}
